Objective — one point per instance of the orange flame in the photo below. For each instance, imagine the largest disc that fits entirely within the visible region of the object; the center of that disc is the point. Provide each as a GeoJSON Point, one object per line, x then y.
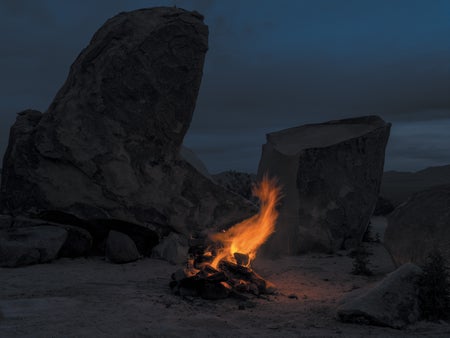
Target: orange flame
{"type": "Point", "coordinates": [246, 237]}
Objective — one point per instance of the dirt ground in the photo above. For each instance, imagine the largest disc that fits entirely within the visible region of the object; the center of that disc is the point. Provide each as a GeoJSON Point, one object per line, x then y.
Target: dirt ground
{"type": "Point", "coordinates": [94, 298]}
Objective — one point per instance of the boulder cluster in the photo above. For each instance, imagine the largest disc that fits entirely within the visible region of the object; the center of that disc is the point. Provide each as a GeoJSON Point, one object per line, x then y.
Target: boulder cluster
{"type": "Point", "coordinates": [103, 170]}
{"type": "Point", "coordinates": [105, 156]}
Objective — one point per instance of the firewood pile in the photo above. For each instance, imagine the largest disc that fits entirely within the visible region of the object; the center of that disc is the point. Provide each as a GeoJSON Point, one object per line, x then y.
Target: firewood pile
{"type": "Point", "coordinates": [228, 279]}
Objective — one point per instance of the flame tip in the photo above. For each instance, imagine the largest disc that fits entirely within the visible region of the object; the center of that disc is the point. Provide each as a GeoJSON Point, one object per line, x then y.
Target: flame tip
{"type": "Point", "coordinates": [247, 236]}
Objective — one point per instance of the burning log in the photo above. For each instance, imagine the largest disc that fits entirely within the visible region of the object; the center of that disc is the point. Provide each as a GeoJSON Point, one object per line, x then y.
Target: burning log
{"type": "Point", "coordinates": [241, 259]}
{"type": "Point", "coordinates": [230, 280]}
{"type": "Point", "coordinates": [222, 269]}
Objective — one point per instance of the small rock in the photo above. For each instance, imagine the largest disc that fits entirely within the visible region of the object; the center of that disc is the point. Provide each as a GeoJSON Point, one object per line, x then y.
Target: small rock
{"type": "Point", "coordinates": [293, 296]}
{"type": "Point", "coordinates": [247, 304]}
{"type": "Point", "coordinates": [78, 242]}
{"type": "Point", "coordinates": [120, 248]}
{"type": "Point", "coordinates": [174, 249]}
{"type": "Point", "coordinates": [179, 275]}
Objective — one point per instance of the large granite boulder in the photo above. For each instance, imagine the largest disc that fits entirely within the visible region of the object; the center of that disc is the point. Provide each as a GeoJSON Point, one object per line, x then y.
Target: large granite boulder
{"type": "Point", "coordinates": [330, 174]}
{"type": "Point", "coordinates": [108, 146]}
{"type": "Point", "coordinates": [419, 226]}
{"type": "Point", "coordinates": [393, 302]}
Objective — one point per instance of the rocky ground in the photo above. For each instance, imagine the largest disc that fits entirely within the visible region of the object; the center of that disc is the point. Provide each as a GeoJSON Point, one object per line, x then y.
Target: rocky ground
{"type": "Point", "coordinates": [94, 298]}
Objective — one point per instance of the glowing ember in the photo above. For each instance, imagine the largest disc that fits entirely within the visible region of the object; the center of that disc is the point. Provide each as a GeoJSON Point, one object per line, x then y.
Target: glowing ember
{"type": "Point", "coordinates": [243, 239]}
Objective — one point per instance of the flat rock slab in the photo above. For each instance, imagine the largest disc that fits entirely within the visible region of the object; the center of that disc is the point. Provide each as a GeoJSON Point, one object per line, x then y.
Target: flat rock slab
{"type": "Point", "coordinates": [393, 302]}
{"type": "Point", "coordinates": [25, 246]}
{"type": "Point", "coordinates": [331, 174]}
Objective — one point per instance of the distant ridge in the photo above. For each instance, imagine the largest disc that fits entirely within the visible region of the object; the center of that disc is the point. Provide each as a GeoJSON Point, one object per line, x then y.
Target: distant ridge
{"type": "Point", "coordinates": [397, 186]}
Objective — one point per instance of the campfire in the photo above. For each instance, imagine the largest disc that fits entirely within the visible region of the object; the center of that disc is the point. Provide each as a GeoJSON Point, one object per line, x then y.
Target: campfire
{"type": "Point", "coordinates": [222, 267]}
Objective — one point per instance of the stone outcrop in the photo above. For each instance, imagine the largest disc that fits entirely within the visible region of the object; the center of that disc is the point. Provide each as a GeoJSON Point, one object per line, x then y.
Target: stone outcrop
{"type": "Point", "coordinates": [31, 245]}
{"type": "Point", "coordinates": [108, 146]}
{"type": "Point", "coordinates": [419, 226]}
{"type": "Point", "coordinates": [331, 174]}
{"type": "Point", "coordinates": [393, 302]}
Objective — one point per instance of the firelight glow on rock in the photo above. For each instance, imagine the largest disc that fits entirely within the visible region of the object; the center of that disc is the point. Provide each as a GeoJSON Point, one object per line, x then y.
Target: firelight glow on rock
{"type": "Point", "coordinates": [247, 236]}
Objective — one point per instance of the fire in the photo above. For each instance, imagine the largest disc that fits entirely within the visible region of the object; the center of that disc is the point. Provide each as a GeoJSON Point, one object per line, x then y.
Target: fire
{"type": "Point", "coordinates": [244, 239]}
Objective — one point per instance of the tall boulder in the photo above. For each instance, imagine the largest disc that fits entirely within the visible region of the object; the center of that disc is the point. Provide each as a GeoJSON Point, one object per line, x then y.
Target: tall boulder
{"type": "Point", "coordinates": [419, 226]}
{"type": "Point", "coordinates": [331, 174]}
{"type": "Point", "coordinates": [109, 144]}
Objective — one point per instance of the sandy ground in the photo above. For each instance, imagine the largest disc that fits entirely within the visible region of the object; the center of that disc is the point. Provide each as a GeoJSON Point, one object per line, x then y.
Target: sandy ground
{"type": "Point", "coordinates": [94, 298]}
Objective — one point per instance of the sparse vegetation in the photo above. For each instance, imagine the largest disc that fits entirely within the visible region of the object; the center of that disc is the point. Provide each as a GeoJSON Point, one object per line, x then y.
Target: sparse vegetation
{"type": "Point", "coordinates": [361, 261]}
{"type": "Point", "coordinates": [434, 288]}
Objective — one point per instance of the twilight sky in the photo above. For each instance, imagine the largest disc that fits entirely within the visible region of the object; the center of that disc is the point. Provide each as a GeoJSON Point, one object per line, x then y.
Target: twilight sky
{"type": "Point", "coordinates": [271, 65]}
